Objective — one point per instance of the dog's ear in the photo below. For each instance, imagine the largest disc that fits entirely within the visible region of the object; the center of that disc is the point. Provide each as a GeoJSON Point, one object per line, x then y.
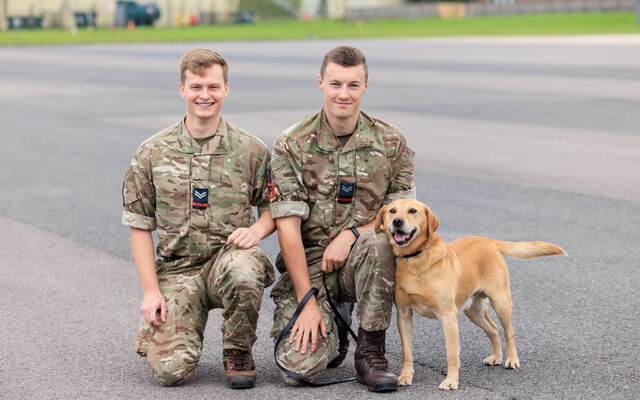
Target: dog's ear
{"type": "Point", "coordinates": [379, 218]}
{"type": "Point", "coordinates": [432, 221]}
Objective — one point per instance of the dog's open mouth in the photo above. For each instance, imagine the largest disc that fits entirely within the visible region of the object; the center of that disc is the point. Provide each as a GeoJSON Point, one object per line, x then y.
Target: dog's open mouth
{"type": "Point", "coordinates": [402, 238]}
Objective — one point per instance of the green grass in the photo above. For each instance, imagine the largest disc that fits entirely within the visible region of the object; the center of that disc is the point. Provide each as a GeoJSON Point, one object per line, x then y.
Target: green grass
{"type": "Point", "coordinates": [553, 24]}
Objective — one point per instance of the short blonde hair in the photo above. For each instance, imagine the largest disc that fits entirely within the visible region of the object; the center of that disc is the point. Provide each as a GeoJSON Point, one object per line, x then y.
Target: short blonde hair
{"type": "Point", "coordinates": [199, 59]}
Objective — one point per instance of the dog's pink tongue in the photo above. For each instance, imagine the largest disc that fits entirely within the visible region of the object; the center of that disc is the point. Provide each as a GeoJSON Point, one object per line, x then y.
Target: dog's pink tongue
{"type": "Point", "coordinates": [400, 236]}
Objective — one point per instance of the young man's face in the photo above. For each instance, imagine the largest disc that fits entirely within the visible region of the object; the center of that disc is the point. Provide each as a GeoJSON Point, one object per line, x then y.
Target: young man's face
{"type": "Point", "coordinates": [204, 94]}
{"type": "Point", "coordinates": [343, 88]}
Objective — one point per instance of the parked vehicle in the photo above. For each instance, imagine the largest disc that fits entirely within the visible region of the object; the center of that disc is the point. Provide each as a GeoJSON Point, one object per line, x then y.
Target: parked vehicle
{"type": "Point", "coordinates": [140, 14]}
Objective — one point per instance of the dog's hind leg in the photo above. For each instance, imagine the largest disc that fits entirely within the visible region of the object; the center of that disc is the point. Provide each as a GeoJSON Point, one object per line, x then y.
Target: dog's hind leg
{"type": "Point", "coordinates": [502, 304]}
{"type": "Point", "coordinates": [479, 315]}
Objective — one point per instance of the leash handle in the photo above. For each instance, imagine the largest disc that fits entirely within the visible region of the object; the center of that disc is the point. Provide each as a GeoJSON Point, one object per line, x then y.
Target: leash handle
{"type": "Point", "coordinates": [303, 302]}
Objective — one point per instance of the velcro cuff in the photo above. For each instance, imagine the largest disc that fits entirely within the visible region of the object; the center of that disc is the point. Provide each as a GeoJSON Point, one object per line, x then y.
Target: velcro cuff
{"type": "Point", "coordinates": [138, 221]}
{"type": "Point", "coordinates": [407, 194]}
{"type": "Point", "coordinates": [290, 209]}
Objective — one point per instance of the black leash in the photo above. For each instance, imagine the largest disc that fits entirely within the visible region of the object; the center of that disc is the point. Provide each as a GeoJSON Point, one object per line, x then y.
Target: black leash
{"type": "Point", "coordinates": [305, 299]}
{"type": "Point", "coordinates": [335, 309]}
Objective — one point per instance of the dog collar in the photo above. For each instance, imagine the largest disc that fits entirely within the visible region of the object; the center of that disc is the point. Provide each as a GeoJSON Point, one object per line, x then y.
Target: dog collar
{"type": "Point", "coordinates": [412, 254]}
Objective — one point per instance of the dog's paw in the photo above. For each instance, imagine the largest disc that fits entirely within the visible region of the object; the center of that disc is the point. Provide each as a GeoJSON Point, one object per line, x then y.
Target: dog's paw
{"type": "Point", "coordinates": [449, 384]}
{"type": "Point", "coordinates": [406, 376]}
{"type": "Point", "coordinates": [492, 360]}
{"type": "Point", "coordinates": [405, 380]}
{"type": "Point", "coordinates": [512, 363]}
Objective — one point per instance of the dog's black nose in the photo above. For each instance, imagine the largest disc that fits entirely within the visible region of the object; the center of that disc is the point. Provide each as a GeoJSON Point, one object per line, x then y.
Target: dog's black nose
{"type": "Point", "coordinates": [398, 221]}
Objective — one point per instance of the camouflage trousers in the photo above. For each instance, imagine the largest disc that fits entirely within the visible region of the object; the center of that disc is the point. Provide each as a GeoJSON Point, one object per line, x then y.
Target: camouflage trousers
{"type": "Point", "coordinates": [367, 279]}
{"type": "Point", "coordinates": [234, 280]}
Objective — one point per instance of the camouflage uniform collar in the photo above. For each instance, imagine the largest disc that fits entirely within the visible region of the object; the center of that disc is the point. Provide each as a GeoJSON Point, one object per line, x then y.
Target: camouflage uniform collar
{"type": "Point", "coordinates": [219, 143]}
{"type": "Point", "coordinates": [328, 141]}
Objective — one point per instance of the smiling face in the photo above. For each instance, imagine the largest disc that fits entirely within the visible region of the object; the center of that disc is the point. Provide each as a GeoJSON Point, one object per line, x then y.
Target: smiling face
{"type": "Point", "coordinates": [401, 231]}
{"type": "Point", "coordinates": [408, 224]}
{"type": "Point", "coordinates": [343, 88]}
{"type": "Point", "coordinates": [204, 93]}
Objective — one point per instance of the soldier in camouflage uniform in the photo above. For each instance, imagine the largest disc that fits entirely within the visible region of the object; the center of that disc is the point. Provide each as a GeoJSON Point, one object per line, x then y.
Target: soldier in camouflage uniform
{"type": "Point", "coordinates": [194, 183]}
{"type": "Point", "coordinates": [332, 172]}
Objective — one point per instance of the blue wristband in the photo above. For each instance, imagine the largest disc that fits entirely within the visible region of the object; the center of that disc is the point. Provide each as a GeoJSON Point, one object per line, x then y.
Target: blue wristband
{"type": "Point", "coordinates": [355, 232]}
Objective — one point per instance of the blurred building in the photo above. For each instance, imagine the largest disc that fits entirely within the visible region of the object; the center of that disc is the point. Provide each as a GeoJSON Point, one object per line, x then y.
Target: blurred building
{"type": "Point", "coordinates": [103, 13]}
{"type": "Point", "coordinates": [69, 14]}
{"type": "Point", "coordinates": [337, 9]}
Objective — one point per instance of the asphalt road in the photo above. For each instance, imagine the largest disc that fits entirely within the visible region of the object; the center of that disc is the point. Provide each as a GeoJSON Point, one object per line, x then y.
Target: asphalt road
{"type": "Point", "coordinates": [515, 139]}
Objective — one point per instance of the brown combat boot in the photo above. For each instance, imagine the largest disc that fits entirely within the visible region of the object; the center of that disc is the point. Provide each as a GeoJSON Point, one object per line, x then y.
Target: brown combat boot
{"type": "Point", "coordinates": [371, 365]}
{"type": "Point", "coordinates": [239, 368]}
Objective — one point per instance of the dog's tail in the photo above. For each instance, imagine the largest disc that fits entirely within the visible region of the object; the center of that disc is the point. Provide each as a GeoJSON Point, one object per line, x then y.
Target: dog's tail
{"type": "Point", "coordinates": [528, 249]}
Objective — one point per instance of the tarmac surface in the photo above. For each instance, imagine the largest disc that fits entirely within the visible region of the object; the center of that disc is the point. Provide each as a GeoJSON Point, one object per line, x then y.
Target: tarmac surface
{"type": "Point", "coordinates": [515, 139]}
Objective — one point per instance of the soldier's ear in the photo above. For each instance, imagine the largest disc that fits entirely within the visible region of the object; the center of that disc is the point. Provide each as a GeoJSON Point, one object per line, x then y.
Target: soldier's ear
{"type": "Point", "coordinates": [379, 218]}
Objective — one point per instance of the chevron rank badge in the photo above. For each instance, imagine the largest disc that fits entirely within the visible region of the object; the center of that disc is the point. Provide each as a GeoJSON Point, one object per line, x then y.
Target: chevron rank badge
{"type": "Point", "coordinates": [200, 198]}
{"type": "Point", "coordinates": [345, 196]}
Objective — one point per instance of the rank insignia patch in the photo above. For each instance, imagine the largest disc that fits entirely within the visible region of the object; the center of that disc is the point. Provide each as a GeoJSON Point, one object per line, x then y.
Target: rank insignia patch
{"type": "Point", "coordinates": [200, 198]}
{"type": "Point", "coordinates": [345, 196]}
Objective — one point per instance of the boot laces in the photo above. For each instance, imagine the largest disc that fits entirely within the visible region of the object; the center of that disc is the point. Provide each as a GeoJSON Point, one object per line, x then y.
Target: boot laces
{"type": "Point", "coordinates": [374, 353]}
{"type": "Point", "coordinates": [238, 360]}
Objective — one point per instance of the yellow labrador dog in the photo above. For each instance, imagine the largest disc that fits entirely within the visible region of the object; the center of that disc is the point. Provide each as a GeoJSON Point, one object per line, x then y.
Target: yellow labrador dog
{"type": "Point", "coordinates": [436, 279]}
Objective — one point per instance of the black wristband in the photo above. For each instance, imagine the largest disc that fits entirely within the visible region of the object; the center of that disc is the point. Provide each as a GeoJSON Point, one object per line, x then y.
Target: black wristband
{"type": "Point", "coordinates": [355, 232]}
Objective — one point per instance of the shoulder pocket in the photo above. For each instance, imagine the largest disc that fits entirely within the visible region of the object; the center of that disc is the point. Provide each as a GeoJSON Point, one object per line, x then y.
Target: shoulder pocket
{"type": "Point", "coordinates": [283, 176]}
{"type": "Point", "coordinates": [130, 197]}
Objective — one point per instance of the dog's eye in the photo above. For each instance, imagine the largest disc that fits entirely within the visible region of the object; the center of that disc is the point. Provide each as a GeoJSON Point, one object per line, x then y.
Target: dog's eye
{"type": "Point", "coordinates": [392, 211]}
{"type": "Point", "coordinates": [413, 211]}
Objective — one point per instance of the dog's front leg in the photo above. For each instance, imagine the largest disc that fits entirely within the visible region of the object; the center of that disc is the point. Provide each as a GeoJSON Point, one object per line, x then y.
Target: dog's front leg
{"type": "Point", "coordinates": [452, 341]}
{"type": "Point", "coordinates": [405, 326]}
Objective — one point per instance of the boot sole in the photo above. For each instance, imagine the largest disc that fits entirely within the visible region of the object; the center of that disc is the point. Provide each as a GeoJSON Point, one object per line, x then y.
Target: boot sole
{"type": "Point", "coordinates": [379, 387]}
{"type": "Point", "coordinates": [241, 383]}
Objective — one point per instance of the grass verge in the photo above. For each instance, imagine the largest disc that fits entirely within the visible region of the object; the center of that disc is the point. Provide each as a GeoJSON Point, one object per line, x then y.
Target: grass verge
{"type": "Point", "coordinates": [515, 25]}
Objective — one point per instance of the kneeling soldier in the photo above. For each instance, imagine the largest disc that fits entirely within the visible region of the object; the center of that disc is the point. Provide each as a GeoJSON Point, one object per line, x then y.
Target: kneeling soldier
{"type": "Point", "coordinates": [332, 172]}
{"type": "Point", "coordinates": [194, 183]}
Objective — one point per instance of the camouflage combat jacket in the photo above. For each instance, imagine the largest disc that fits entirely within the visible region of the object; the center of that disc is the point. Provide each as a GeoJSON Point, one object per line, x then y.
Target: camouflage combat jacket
{"type": "Point", "coordinates": [334, 187]}
{"type": "Point", "coordinates": [195, 197]}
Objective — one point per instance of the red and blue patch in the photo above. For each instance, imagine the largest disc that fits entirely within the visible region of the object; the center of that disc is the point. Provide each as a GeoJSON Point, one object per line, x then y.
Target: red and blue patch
{"type": "Point", "coordinates": [200, 198]}
{"type": "Point", "coordinates": [345, 195]}
{"type": "Point", "coordinates": [269, 183]}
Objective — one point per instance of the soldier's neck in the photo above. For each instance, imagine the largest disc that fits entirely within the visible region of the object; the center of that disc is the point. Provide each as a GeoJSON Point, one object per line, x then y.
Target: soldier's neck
{"type": "Point", "coordinates": [343, 126]}
{"type": "Point", "coordinates": [200, 128]}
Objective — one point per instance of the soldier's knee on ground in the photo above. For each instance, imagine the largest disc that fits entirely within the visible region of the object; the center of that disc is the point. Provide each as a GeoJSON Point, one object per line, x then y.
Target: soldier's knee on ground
{"type": "Point", "coordinates": [172, 365]}
{"type": "Point", "coordinates": [172, 372]}
{"type": "Point", "coordinates": [309, 374]}
{"type": "Point", "coordinates": [289, 381]}
{"type": "Point", "coordinates": [308, 365]}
